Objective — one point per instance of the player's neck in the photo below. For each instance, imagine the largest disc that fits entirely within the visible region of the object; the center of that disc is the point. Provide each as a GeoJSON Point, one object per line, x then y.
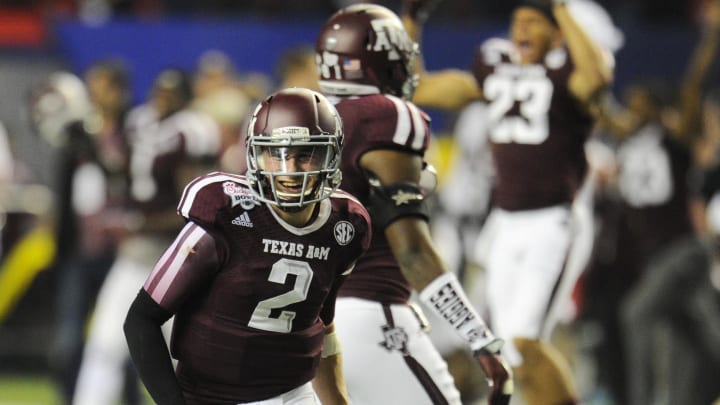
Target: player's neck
{"type": "Point", "coordinates": [300, 218]}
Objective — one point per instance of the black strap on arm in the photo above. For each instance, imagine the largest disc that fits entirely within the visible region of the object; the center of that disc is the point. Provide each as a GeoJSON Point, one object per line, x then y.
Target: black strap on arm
{"type": "Point", "coordinates": [390, 203]}
{"type": "Point", "coordinates": [149, 351]}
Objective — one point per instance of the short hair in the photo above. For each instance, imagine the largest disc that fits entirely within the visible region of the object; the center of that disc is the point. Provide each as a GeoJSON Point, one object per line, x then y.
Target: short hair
{"type": "Point", "coordinates": [115, 70]}
{"type": "Point", "coordinates": [543, 6]}
{"type": "Point", "coordinates": [174, 80]}
{"type": "Point", "coordinates": [293, 58]}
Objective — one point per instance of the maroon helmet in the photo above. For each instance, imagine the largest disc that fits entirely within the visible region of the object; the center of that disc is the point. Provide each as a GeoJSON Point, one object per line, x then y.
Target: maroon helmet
{"type": "Point", "coordinates": [364, 49]}
{"type": "Point", "coordinates": [294, 143]}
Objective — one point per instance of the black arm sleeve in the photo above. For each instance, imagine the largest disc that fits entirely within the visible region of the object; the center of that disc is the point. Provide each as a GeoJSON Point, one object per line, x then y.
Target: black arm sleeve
{"type": "Point", "coordinates": [149, 351]}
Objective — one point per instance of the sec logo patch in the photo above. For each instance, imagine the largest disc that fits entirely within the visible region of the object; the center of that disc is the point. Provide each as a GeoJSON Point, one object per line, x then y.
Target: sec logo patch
{"type": "Point", "coordinates": [344, 232]}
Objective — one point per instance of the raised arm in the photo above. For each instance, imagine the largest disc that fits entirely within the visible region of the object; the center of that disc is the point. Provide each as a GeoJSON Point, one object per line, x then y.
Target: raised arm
{"type": "Point", "coordinates": [696, 75]}
{"type": "Point", "coordinates": [614, 117]}
{"type": "Point", "coordinates": [593, 71]}
{"type": "Point", "coordinates": [447, 89]}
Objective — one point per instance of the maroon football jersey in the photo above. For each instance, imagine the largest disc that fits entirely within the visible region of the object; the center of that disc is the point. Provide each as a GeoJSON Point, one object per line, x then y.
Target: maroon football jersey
{"type": "Point", "coordinates": [252, 328]}
{"type": "Point", "coordinates": [653, 185]}
{"type": "Point", "coordinates": [537, 128]}
{"type": "Point", "coordinates": [158, 149]}
{"type": "Point", "coordinates": [378, 122]}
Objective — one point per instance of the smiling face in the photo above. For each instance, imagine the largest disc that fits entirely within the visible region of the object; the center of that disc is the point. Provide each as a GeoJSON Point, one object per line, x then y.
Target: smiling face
{"type": "Point", "coordinates": [533, 34]}
{"type": "Point", "coordinates": [294, 145]}
{"type": "Point", "coordinates": [296, 170]}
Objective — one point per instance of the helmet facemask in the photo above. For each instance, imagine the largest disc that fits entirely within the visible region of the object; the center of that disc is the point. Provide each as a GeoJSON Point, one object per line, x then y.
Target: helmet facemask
{"type": "Point", "coordinates": [291, 168]}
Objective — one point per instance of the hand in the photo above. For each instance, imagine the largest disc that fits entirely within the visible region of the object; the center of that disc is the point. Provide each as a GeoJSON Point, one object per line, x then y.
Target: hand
{"type": "Point", "coordinates": [499, 376]}
{"type": "Point", "coordinates": [712, 14]}
{"type": "Point", "coordinates": [419, 10]}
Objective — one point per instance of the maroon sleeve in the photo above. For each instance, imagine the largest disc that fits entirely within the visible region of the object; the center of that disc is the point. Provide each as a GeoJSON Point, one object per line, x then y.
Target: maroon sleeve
{"type": "Point", "coordinates": [202, 198]}
{"type": "Point", "coordinates": [357, 208]}
{"type": "Point", "coordinates": [191, 259]}
{"type": "Point", "coordinates": [327, 314]}
{"type": "Point", "coordinates": [361, 222]}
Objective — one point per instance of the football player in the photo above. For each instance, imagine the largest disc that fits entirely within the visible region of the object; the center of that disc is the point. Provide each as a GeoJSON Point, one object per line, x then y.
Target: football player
{"type": "Point", "coordinates": [365, 59]}
{"type": "Point", "coordinates": [82, 120]}
{"type": "Point", "coordinates": [651, 207]}
{"type": "Point", "coordinates": [542, 86]}
{"type": "Point", "coordinates": [253, 275]}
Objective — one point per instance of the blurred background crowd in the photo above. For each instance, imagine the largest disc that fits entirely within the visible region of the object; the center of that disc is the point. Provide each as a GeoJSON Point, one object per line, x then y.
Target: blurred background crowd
{"type": "Point", "coordinates": [84, 81]}
{"type": "Point", "coordinates": [673, 12]}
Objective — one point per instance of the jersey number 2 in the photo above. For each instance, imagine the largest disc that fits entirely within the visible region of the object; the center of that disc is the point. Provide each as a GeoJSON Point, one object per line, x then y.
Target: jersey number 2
{"type": "Point", "coordinates": [261, 318]}
{"type": "Point", "coordinates": [533, 94]}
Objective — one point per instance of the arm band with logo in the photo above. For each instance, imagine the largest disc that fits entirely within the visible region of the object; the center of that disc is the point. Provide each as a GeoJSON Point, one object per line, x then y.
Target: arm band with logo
{"type": "Point", "coordinates": [446, 298]}
{"type": "Point", "coordinates": [390, 203]}
{"type": "Point", "coordinates": [331, 346]}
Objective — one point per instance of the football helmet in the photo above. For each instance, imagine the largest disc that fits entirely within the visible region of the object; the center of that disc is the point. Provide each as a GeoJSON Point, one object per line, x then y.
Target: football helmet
{"type": "Point", "coordinates": [364, 49]}
{"type": "Point", "coordinates": [55, 103]}
{"type": "Point", "coordinates": [294, 143]}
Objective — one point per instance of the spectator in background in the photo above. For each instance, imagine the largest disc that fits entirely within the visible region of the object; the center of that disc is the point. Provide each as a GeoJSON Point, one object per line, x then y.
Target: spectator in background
{"type": "Point", "coordinates": [108, 85]}
{"type": "Point", "coordinates": [671, 323]}
{"type": "Point", "coordinates": [649, 209]}
{"type": "Point", "coordinates": [170, 143]}
{"type": "Point", "coordinates": [6, 172]}
{"type": "Point", "coordinates": [83, 123]}
{"type": "Point", "coordinates": [296, 68]}
{"type": "Point", "coordinates": [645, 209]}
{"type": "Point", "coordinates": [219, 93]}
{"type": "Point", "coordinates": [6, 157]}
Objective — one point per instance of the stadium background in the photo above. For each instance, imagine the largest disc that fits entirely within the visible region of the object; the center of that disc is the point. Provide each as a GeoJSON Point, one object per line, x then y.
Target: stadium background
{"type": "Point", "coordinates": [38, 37]}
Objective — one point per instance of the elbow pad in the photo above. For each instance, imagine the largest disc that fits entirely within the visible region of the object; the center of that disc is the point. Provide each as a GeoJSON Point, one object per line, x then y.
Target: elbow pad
{"type": "Point", "coordinates": [390, 203]}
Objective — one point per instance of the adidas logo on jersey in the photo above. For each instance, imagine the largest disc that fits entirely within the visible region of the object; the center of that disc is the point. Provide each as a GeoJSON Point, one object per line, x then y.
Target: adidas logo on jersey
{"type": "Point", "coordinates": [243, 220]}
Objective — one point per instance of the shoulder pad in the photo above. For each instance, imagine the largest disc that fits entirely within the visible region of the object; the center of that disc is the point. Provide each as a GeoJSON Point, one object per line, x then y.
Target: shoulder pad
{"type": "Point", "coordinates": [496, 50]}
{"type": "Point", "coordinates": [557, 58]}
{"type": "Point", "coordinates": [354, 205]}
{"type": "Point", "coordinates": [394, 122]}
{"type": "Point", "coordinates": [206, 195]}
